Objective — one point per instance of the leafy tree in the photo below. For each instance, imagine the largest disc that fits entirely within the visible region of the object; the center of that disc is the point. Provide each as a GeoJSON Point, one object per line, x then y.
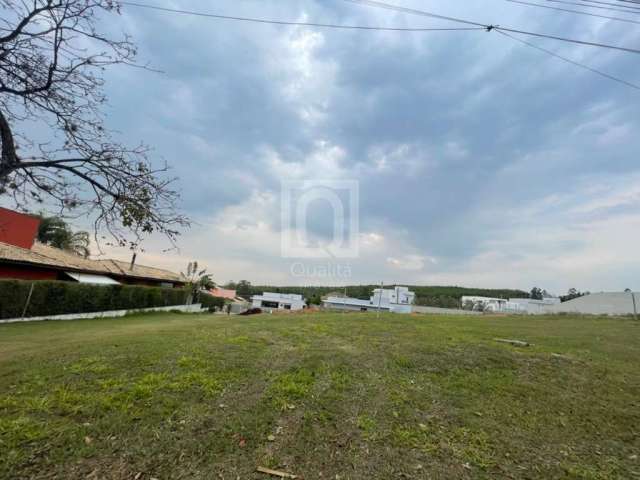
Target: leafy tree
{"type": "Point", "coordinates": [571, 294]}
{"type": "Point", "coordinates": [314, 300]}
{"type": "Point", "coordinates": [243, 288]}
{"type": "Point", "coordinates": [196, 280]}
{"type": "Point", "coordinates": [56, 232]}
{"type": "Point", "coordinates": [52, 58]}
{"type": "Point", "coordinates": [536, 293]}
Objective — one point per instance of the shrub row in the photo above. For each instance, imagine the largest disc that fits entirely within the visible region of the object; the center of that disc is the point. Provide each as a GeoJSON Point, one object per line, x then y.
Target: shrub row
{"type": "Point", "coordinates": [57, 298]}
{"type": "Point", "coordinates": [210, 302]}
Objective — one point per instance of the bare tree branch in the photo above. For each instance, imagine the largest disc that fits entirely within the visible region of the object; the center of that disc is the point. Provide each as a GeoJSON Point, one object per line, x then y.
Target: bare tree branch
{"type": "Point", "coordinates": [52, 58]}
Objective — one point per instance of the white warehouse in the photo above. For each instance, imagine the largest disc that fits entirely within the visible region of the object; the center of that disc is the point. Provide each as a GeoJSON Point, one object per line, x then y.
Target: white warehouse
{"type": "Point", "coordinates": [278, 301]}
{"type": "Point", "coordinates": [395, 300]}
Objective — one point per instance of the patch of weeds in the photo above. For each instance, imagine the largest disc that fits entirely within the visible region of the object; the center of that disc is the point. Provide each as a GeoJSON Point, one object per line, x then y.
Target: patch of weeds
{"type": "Point", "coordinates": [472, 446]}
{"type": "Point", "coordinates": [320, 328]}
{"type": "Point", "coordinates": [288, 387]}
{"type": "Point", "coordinates": [340, 379]}
{"type": "Point", "coordinates": [238, 340]}
{"type": "Point", "coordinates": [111, 384]}
{"type": "Point", "coordinates": [368, 425]}
{"type": "Point", "coordinates": [37, 404]}
{"type": "Point", "coordinates": [468, 446]}
{"type": "Point", "coordinates": [192, 363]}
{"type": "Point", "coordinates": [585, 472]}
{"type": "Point", "coordinates": [402, 362]}
{"type": "Point", "coordinates": [7, 402]}
{"type": "Point", "coordinates": [67, 401]}
{"type": "Point", "coordinates": [17, 431]}
{"type": "Point", "coordinates": [94, 365]}
{"type": "Point", "coordinates": [16, 434]}
{"type": "Point", "coordinates": [198, 380]}
{"type": "Point", "coordinates": [419, 437]}
{"type": "Point", "coordinates": [148, 385]}
{"type": "Point", "coordinates": [119, 401]}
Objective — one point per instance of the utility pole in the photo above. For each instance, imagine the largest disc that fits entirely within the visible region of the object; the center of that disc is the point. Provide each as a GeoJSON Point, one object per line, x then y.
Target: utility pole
{"type": "Point", "coordinates": [380, 298]}
{"type": "Point", "coordinates": [633, 300]}
{"type": "Point", "coordinates": [344, 301]}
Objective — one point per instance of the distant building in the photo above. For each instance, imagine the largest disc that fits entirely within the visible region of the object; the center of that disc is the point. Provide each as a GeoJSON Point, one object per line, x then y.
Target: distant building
{"type": "Point", "coordinates": [395, 300]}
{"type": "Point", "coordinates": [493, 305]}
{"type": "Point", "coordinates": [486, 304]}
{"type": "Point", "coordinates": [278, 301]}
{"type": "Point", "coordinates": [533, 306]}
{"type": "Point", "coordinates": [222, 293]}
{"type": "Point", "coordinates": [604, 303]}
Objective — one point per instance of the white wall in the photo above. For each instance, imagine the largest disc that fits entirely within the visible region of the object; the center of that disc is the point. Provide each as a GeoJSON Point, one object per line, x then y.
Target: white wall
{"type": "Point", "coordinates": [604, 303]}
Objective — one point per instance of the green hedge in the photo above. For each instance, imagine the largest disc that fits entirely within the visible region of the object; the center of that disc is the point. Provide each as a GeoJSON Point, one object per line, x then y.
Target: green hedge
{"type": "Point", "coordinates": [210, 302]}
{"type": "Point", "coordinates": [57, 298]}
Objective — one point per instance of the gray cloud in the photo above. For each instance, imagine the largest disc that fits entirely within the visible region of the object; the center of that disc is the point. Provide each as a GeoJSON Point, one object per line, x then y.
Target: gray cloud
{"type": "Point", "coordinates": [448, 133]}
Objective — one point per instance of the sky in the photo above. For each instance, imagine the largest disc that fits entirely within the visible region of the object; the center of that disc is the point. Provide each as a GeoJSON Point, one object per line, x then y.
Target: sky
{"type": "Point", "coordinates": [463, 158]}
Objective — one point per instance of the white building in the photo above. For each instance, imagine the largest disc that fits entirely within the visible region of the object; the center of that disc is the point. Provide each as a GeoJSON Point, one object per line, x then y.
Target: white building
{"type": "Point", "coordinates": [487, 304]}
{"type": "Point", "coordinates": [278, 301]}
{"type": "Point", "coordinates": [491, 304]}
{"type": "Point", "coordinates": [533, 306]}
{"type": "Point", "coordinates": [395, 300]}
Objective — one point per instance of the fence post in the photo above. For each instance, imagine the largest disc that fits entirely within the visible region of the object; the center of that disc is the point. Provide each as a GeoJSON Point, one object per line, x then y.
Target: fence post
{"type": "Point", "coordinates": [26, 304]}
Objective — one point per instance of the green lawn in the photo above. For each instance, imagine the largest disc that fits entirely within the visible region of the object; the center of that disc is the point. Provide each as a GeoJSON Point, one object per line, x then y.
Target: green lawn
{"type": "Point", "coordinates": [323, 396]}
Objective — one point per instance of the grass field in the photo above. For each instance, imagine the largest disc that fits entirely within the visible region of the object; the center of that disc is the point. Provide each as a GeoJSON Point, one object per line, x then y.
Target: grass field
{"type": "Point", "coordinates": [323, 396]}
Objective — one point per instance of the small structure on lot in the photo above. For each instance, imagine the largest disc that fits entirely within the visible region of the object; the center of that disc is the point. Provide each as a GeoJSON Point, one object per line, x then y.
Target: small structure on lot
{"type": "Point", "coordinates": [278, 301]}
{"type": "Point", "coordinates": [395, 300]}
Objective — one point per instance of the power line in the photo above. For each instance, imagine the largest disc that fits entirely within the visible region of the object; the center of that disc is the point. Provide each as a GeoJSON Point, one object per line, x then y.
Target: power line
{"type": "Point", "coordinates": [612, 5]}
{"type": "Point", "coordinates": [629, 1]}
{"type": "Point", "coordinates": [282, 22]}
{"type": "Point", "coordinates": [476, 26]}
{"type": "Point", "coordinates": [573, 62]}
{"type": "Point", "coordinates": [374, 3]}
{"type": "Point", "coordinates": [574, 11]}
{"type": "Point", "coordinates": [635, 12]}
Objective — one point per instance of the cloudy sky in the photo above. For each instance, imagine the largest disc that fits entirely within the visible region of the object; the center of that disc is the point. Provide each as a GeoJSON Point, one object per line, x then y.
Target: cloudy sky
{"type": "Point", "coordinates": [479, 161]}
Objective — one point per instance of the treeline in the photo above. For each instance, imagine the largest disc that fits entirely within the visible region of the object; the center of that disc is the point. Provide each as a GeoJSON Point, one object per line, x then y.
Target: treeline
{"type": "Point", "coordinates": [433, 296]}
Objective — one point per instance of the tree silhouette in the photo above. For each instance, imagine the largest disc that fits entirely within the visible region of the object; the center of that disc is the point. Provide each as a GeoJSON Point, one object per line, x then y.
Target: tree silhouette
{"type": "Point", "coordinates": [52, 59]}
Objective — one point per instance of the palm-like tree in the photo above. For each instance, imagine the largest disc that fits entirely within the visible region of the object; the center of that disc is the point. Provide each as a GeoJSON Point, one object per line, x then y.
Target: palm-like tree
{"type": "Point", "coordinates": [54, 231]}
{"type": "Point", "coordinates": [196, 280]}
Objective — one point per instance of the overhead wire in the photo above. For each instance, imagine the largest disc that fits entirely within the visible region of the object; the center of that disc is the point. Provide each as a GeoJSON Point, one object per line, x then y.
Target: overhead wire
{"type": "Point", "coordinates": [573, 62]}
{"type": "Point", "coordinates": [488, 27]}
{"type": "Point", "coordinates": [598, 2]}
{"type": "Point", "coordinates": [629, 1]}
{"type": "Point", "coordinates": [506, 32]}
{"type": "Point", "coordinates": [580, 4]}
{"type": "Point", "coordinates": [473, 26]}
{"type": "Point", "coordinates": [283, 22]}
{"type": "Point", "coordinates": [627, 20]}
